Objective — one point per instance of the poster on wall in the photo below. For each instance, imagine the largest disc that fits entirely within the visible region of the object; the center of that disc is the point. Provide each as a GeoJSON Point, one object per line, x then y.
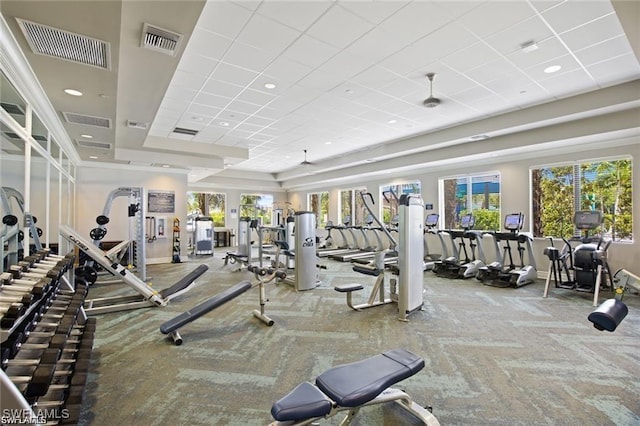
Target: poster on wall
{"type": "Point", "coordinates": [161, 201]}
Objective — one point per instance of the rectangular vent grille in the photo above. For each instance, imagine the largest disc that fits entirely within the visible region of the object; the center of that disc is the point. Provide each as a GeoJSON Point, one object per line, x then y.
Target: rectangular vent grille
{"type": "Point", "coordinates": [49, 41]}
{"type": "Point", "coordinates": [159, 39]}
{"type": "Point", "coordinates": [87, 120]}
{"type": "Point", "coordinates": [184, 131]}
{"type": "Point", "coordinates": [12, 108]}
{"type": "Point", "coordinates": [92, 144]}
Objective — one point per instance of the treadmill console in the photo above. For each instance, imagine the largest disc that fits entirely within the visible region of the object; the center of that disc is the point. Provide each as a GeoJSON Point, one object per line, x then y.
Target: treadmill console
{"type": "Point", "coordinates": [587, 219]}
{"type": "Point", "coordinates": [513, 222]}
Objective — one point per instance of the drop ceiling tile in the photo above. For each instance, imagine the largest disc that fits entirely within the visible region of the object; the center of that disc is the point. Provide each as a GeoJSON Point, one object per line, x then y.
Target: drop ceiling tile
{"type": "Point", "coordinates": [195, 63]}
{"type": "Point", "coordinates": [511, 39]}
{"type": "Point", "coordinates": [489, 71]}
{"type": "Point", "coordinates": [443, 42]}
{"type": "Point", "coordinates": [310, 51]}
{"type": "Point", "coordinates": [376, 45]}
{"type": "Point", "coordinates": [203, 110]}
{"type": "Point", "coordinates": [256, 97]}
{"type": "Point", "coordinates": [193, 121]}
{"type": "Point", "coordinates": [339, 27]}
{"type": "Point", "coordinates": [178, 93]}
{"type": "Point", "coordinates": [401, 87]}
{"type": "Point", "coordinates": [415, 20]}
{"type": "Point", "coordinates": [221, 88]}
{"type": "Point", "coordinates": [298, 15]}
{"type": "Point", "coordinates": [500, 14]}
{"type": "Point", "coordinates": [471, 57]}
{"type": "Point", "coordinates": [568, 83]}
{"type": "Point", "coordinates": [233, 74]}
{"type": "Point", "coordinates": [509, 85]}
{"type": "Point", "coordinates": [284, 72]}
{"type": "Point", "coordinates": [592, 33]}
{"type": "Point", "coordinates": [248, 57]}
{"type": "Point", "coordinates": [210, 100]}
{"type": "Point", "coordinates": [244, 107]}
{"type": "Point", "coordinates": [543, 5]}
{"type": "Point", "coordinates": [374, 12]}
{"type": "Point", "coordinates": [375, 77]}
{"type": "Point", "coordinates": [232, 116]}
{"type": "Point", "coordinates": [259, 121]}
{"type": "Point", "coordinates": [567, 62]}
{"type": "Point", "coordinates": [607, 72]}
{"type": "Point", "coordinates": [396, 107]}
{"type": "Point", "coordinates": [225, 18]}
{"type": "Point", "coordinates": [547, 51]}
{"type": "Point", "coordinates": [209, 134]}
{"type": "Point", "coordinates": [603, 51]}
{"type": "Point", "coordinates": [279, 36]}
{"type": "Point", "coordinates": [571, 14]}
{"type": "Point", "coordinates": [207, 44]}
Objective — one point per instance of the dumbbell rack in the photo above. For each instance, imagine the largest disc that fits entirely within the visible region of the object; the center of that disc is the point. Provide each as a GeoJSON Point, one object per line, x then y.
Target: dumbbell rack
{"type": "Point", "coordinates": [46, 345]}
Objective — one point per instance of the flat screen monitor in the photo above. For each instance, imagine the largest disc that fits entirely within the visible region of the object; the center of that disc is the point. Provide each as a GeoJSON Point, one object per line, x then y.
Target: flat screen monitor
{"type": "Point", "coordinates": [513, 221]}
{"type": "Point", "coordinates": [431, 220]}
{"type": "Point", "coordinates": [587, 219]}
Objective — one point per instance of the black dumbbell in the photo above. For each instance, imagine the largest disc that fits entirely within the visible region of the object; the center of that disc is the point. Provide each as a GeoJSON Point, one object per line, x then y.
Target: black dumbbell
{"type": "Point", "coordinates": [11, 297]}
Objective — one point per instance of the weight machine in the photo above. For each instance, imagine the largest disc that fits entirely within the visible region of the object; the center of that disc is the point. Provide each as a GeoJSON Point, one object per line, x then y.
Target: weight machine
{"type": "Point", "coordinates": [407, 289]}
{"type": "Point", "coordinates": [611, 312]}
{"type": "Point", "coordinates": [11, 235]}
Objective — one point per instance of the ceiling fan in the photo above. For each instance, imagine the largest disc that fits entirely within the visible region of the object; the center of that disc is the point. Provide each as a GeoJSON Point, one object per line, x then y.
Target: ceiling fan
{"type": "Point", "coordinates": [305, 162]}
{"type": "Point", "coordinates": [431, 102]}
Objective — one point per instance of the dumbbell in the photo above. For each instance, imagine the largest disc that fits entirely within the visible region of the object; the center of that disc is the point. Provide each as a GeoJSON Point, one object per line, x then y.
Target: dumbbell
{"type": "Point", "coordinates": [10, 314]}
{"type": "Point", "coordinates": [43, 267]}
{"type": "Point", "coordinates": [12, 287]}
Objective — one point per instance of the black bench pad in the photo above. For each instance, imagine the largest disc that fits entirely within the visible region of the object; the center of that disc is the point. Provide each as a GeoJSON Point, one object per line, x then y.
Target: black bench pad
{"type": "Point", "coordinates": [304, 402]}
{"type": "Point", "coordinates": [184, 282]}
{"type": "Point", "coordinates": [354, 384]}
{"type": "Point", "coordinates": [348, 288]}
{"type": "Point", "coordinates": [348, 385]}
{"type": "Point", "coordinates": [205, 307]}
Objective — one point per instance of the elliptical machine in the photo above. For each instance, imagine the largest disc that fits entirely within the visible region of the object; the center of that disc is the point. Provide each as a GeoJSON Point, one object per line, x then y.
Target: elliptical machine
{"type": "Point", "coordinates": [501, 274]}
{"type": "Point", "coordinates": [584, 265]}
{"type": "Point", "coordinates": [449, 267]}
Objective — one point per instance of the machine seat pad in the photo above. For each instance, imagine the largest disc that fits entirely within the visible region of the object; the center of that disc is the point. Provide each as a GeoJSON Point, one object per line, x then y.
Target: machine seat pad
{"type": "Point", "coordinates": [237, 255]}
{"type": "Point", "coordinates": [367, 270]}
{"type": "Point", "coordinates": [354, 384]}
{"type": "Point", "coordinates": [348, 288]}
{"type": "Point", "coordinates": [185, 282]}
{"type": "Point", "coordinates": [205, 307]}
{"type": "Point", "coordinates": [304, 402]}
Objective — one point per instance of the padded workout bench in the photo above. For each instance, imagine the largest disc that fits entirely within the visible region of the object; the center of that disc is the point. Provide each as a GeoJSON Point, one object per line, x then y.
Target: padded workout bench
{"type": "Point", "coordinates": [351, 386]}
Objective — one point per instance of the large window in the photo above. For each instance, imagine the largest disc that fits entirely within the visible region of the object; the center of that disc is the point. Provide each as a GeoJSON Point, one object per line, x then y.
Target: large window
{"type": "Point", "coordinates": [389, 195]}
{"type": "Point", "coordinates": [318, 203]}
{"type": "Point", "coordinates": [478, 194]}
{"type": "Point", "coordinates": [559, 191]}
{"type": "Point", "coordinates": [257, 206]}
{"type": "Point", "coordinates": [207, 204]}
{"type": "Point", "coordinates": [351, 205]}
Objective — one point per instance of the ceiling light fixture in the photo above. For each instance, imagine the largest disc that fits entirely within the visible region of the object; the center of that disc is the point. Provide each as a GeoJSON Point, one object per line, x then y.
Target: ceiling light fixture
{"type": "Point", "coordinates": [529, 46]}
{"type": "Point", "coordinates": [431, 102]}
{"type": "Point", "coordinates": [93, 157]}
{"type": "Point", "coordinates": [552, 69]}
{"type": "Point", "coordinates": [73, 92]}
{"type": "Point", "coordinates": [166, 166]}
{"type": "Point", "coordinates": [327, 143]}
{"type": "Point", "coordinates": [84, 135]}
{"type": "Point", "coordinates": [392, 121]}
{"type": "Point", "coordinates": [224, 123]}
{"type": "Point", "coordinates": [269, 85]}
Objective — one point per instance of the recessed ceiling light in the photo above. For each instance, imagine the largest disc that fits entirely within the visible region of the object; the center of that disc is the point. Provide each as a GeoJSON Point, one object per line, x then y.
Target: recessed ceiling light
{"type": "Point", "coordinates": [194, 118]}
{"type": "Point", "coordinates": [327, 143]}
{"type": "Point", "coordinates": [84, 135]}
{"type": "Point", "coordinates": [270, 85]}
{"type": "Point", "coordinates": [552, 69]}
{"type": "Point", "coordinates": [73, 92]}
{"type": "Point", "coordinates": [93, 157]}
{"type": "Point", "coordinates": [392, 121]}
{"type": "Point", "coordinates": [224, 123]}
{"type": "Point", "coordinates": [166, 166]}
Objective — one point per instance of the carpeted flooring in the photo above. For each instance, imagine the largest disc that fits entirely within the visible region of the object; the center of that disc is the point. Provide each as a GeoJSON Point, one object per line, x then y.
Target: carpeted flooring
{"type": "Point", "coordinates": [493, 356]}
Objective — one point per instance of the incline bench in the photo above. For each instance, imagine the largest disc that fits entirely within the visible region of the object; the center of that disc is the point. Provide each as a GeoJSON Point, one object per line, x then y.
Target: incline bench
{"type": "Point", "coordinates": [351, 386]}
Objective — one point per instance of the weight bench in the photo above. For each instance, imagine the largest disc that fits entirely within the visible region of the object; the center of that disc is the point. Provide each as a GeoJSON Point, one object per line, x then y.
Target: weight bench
{"type": "Point", "coordinates": [350, 387]}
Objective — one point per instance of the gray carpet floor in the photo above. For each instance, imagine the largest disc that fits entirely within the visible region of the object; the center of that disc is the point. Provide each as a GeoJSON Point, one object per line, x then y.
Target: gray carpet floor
{"type": "Point", "coordinates": [493, 356]}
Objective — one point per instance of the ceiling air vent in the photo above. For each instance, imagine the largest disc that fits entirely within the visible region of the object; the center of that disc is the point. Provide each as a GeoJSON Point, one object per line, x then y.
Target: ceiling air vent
{"type": "Point", "coordinates": [137, 125]}
{"type": "Point", "coordinates": [184, 131]}
{"type": "Point", "coordinates": [87, 120]}
{"type": "Point", "coordinates": [49, 41]}
{"type": "Point", "coordinates": [159, 39]}
{"type": "Point", "coordinates": [12, 108]}
{"type": "Point", "coordinates": [92, 144]}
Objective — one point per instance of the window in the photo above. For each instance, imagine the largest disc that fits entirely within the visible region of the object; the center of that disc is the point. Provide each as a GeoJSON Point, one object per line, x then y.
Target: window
{"type": "Point", "coordinates": [479, 194]}
{"type": "Point", "coordinates": [257, 206]}
{"type": "Point", "coordinates": [559, 191]}
{"type": "Point", "coordinates": [318, 203]}
{"type": "Point", "coordinates": [388, 195]}
{"type": "Point", "coordinates": [207, 204]}
{"type": "Point", "coordinates": [351, 205]}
